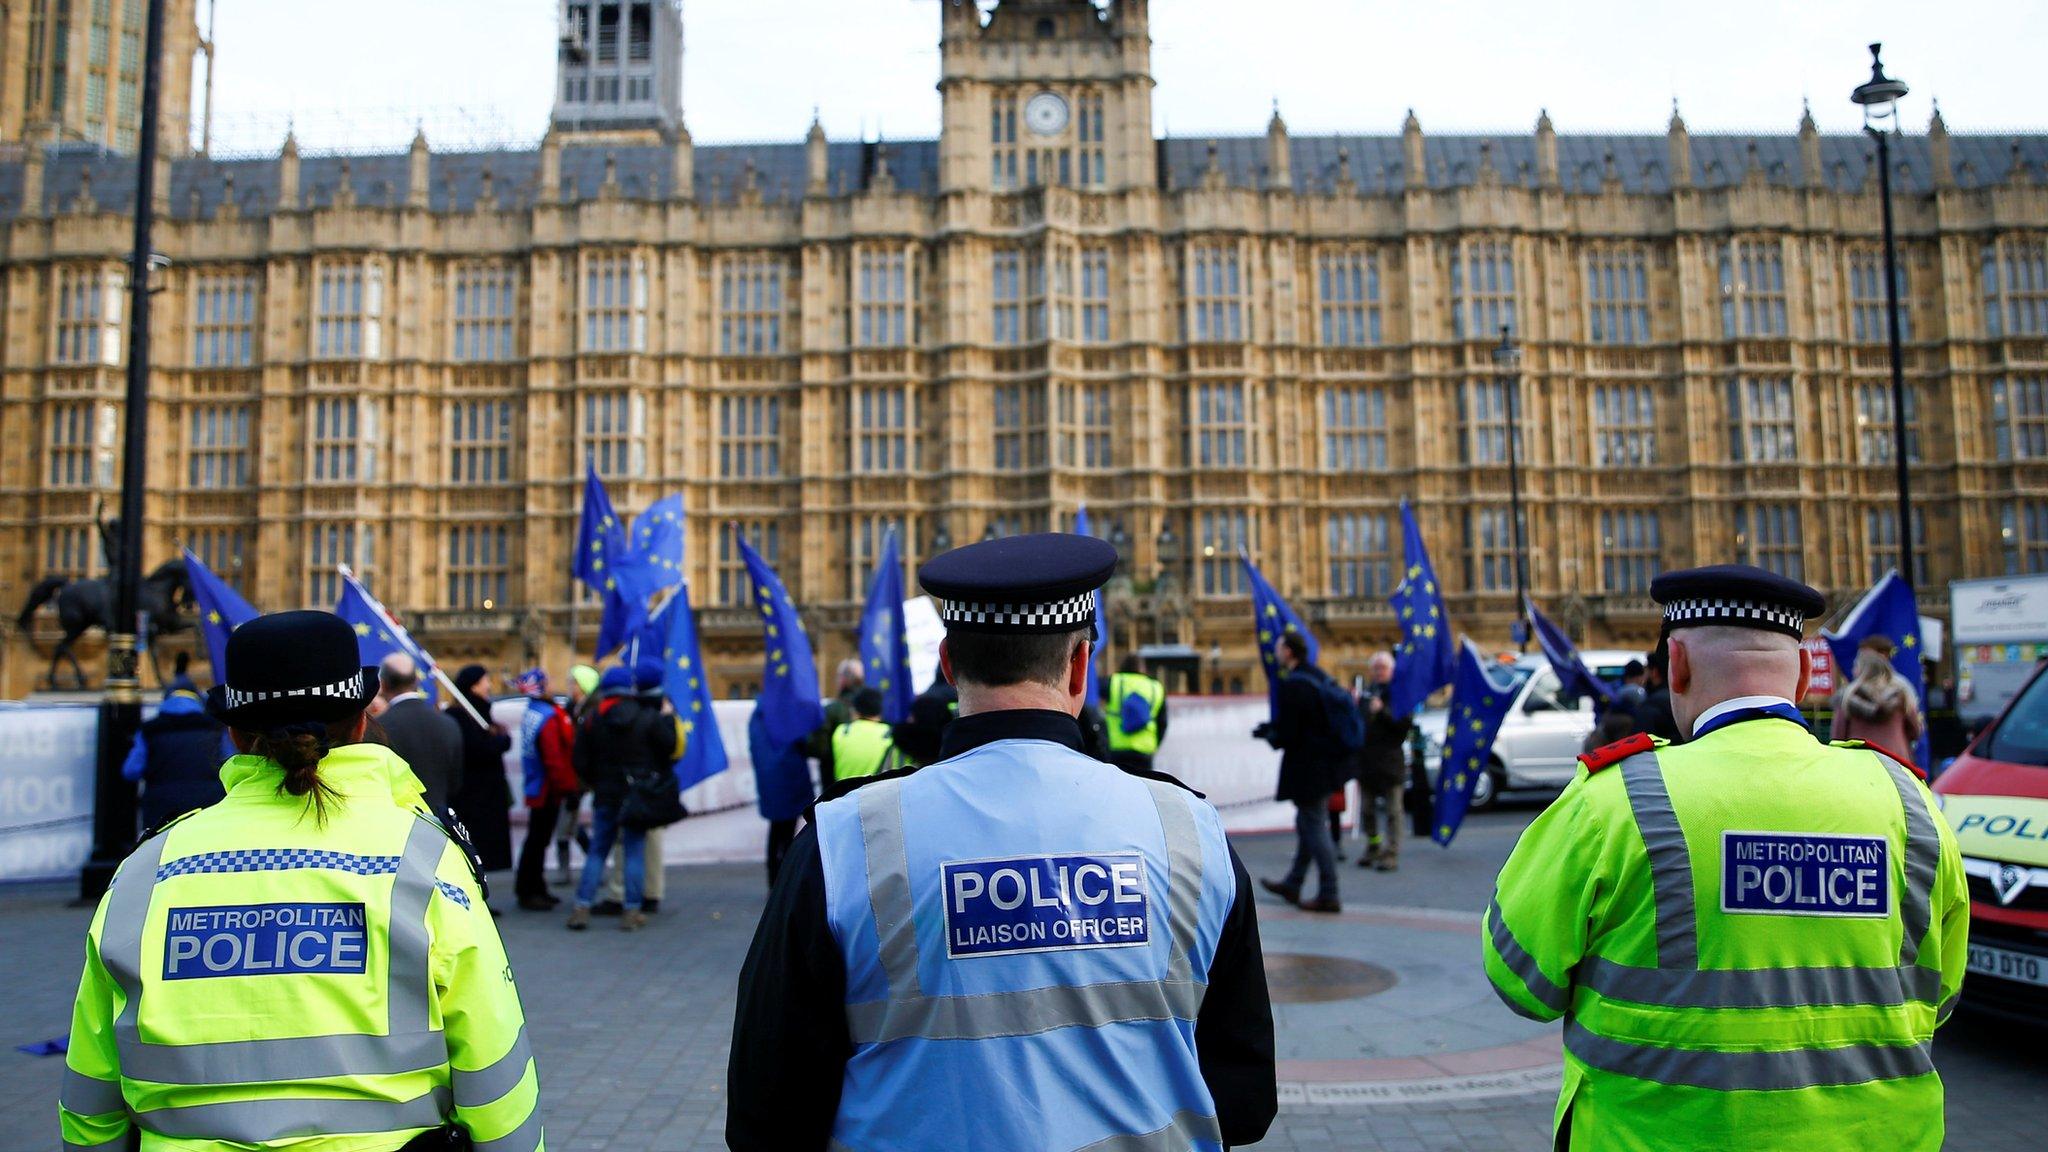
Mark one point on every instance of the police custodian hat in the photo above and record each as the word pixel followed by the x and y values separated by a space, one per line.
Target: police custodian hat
pixel 291 668
pixel 1737 596
pixel 1020 585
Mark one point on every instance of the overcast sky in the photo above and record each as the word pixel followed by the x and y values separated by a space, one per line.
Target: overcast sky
pixel 359 74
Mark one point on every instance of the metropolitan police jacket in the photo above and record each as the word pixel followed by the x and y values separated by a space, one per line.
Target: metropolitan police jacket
pixel 791 1037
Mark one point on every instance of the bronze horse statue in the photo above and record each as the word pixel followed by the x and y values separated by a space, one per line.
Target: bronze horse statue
pixel 83 604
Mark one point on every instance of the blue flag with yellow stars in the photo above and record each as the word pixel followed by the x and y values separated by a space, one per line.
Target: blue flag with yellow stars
pixel 378 633
pixel 1572 673
pixel 789 703
pixel 654 551
pixel 673 633
pixel 1478 704
pixel 1101 637
pixel 221 611
pixel 884 642
pixel 600 538
pixel 1888 611
pixel 1272 618
pixel 1425 659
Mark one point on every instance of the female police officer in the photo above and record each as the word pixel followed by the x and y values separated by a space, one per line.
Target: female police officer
pixel 308 962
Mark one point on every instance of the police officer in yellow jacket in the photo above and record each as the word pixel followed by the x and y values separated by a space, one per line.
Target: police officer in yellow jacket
pixel 1752 936
pixel 863 746
pixel 308 963
pixel 1136 707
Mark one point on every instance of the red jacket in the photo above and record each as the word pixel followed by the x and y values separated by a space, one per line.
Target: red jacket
pixel 556 743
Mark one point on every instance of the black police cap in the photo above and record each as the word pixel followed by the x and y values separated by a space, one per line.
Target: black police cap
pixel 291 668
pixel 1738 596
pixel 1020 584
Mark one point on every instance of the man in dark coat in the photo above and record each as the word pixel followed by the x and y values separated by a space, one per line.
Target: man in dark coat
pixel 484 801
pixel 1382 768
pixel 426 740
pixel 176 757
pixel 918 737
pixel 1313 763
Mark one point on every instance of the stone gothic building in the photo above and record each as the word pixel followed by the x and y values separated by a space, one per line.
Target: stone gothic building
pixel 403 362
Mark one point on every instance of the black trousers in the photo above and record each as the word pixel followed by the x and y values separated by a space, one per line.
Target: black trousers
pixel 532 879
pixel 781 834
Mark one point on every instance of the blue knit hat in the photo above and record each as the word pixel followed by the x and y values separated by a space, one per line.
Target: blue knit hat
pixel 647 674
pixel 616 679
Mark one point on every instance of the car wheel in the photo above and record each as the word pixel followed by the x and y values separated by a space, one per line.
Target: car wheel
pixel 1486 789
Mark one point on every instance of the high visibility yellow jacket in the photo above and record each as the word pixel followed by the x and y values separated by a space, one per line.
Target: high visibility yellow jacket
pixel 1751 939
pixel 1145 741
pixel 256 978
pixel 863 748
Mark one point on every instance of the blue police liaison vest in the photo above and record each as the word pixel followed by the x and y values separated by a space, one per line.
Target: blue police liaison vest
pixel 1027 935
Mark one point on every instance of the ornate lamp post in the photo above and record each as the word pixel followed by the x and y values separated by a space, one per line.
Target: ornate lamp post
pixel 1507 360
pixel 1880 97
pixel 113 819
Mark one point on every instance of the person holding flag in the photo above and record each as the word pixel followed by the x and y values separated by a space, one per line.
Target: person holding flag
pixel 1319 730
pixel 786 711
pixel 1879 641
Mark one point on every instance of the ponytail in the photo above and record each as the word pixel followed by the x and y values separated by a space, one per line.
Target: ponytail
pixel 298 749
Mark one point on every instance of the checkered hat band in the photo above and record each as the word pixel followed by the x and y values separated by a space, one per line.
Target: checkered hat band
pixel 1075 612
pixel 1723 610
pixel 348 689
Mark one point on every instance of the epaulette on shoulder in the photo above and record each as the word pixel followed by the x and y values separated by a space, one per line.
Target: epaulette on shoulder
pixel 1905 762
pixel 454 830
pixel 1151 774
pixel 1615 753
pixel 173 822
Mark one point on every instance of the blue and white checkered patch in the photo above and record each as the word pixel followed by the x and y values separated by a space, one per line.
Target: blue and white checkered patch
pixel 292 859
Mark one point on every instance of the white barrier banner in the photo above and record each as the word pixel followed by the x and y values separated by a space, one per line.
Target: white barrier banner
pixel 46 791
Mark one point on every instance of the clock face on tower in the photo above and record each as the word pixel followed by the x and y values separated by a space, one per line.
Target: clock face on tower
pixel 1046 114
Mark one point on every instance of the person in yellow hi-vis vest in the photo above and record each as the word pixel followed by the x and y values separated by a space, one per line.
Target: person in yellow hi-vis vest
pixel 307 964
pixel 1135 705
pixel 1751 937
pixel 864 746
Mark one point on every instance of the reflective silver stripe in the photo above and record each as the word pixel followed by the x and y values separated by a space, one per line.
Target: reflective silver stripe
pixel 84 1095
pixel 261 1121
pixel 1183 877
pixel 1547 991
pixel 1749 1071
pixel 1184 1129
pixel 488 1085
pixel 301 1057
pixel 1670 861
pixel 1948 1006
pixel 1760 987
pixel 121 929
pixel 1923 857
pixel 524 1138
pixel 1022 1013
pixel 411 1045
pixel 881 831
pixel 409 977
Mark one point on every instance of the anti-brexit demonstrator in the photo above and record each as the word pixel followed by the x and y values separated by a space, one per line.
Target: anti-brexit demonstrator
pixel 1751 936
pixel 1016 947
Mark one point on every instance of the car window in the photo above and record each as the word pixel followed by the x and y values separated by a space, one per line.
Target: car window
pixel 2021 735
pixel 1543 695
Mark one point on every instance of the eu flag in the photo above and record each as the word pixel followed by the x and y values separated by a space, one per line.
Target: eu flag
pixel 1101 636
pixel 1273 619
pixel 1572 673
pixel 600 538
pixel 673 633
pixel 789 702
pixel 221 611
pixel 884 642
pixel 1478 704
pixel 654 551
pixel 1886 610
pixel 1425 659
pixel 378 633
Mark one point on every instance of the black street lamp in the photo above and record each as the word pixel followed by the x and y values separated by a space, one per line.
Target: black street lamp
pixel 1879 97
pixel 1507 359
pixel 113 818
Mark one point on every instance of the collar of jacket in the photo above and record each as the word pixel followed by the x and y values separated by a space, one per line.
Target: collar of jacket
pixel 970 732
pixel 353 770
pixel 179 704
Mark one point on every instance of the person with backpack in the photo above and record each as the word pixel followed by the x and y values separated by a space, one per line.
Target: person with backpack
pixel 625 738
pixel 1136 707
pixel 1319 732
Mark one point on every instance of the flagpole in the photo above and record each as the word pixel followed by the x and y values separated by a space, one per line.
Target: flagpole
pixel 433 665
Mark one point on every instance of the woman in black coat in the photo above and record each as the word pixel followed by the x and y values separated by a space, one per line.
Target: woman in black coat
pixel 484 801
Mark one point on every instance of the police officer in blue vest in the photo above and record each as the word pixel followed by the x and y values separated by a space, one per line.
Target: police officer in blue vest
pixel 1016 947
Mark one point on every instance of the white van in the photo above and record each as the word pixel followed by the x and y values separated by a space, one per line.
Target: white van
pixel 1540 740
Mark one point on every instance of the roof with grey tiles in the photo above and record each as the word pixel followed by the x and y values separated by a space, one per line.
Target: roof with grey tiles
pixel 1376 164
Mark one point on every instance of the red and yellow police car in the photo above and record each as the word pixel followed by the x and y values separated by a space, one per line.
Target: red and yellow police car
pixel 1996 798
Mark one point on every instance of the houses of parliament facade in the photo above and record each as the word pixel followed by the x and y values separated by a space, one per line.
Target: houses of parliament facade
pixel 1262 344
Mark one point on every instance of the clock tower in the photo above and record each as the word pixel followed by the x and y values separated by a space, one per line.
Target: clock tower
pixel 1044 93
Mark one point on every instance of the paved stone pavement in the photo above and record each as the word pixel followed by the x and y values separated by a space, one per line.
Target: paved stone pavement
pixel 631 1032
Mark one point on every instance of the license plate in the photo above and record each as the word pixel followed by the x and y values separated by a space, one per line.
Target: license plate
pixel 2022 967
